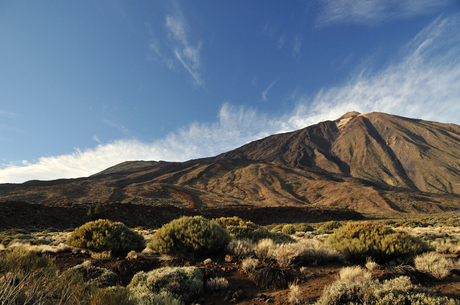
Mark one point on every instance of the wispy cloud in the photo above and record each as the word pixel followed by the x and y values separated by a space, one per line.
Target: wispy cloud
pixel 375 11
pixel 423 84
pixel 187 54
pixel 121 128
pixel 298 40
pixel 265 92
pixel 9 114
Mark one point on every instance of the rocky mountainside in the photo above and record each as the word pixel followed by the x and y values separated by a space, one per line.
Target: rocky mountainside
pixel 371 163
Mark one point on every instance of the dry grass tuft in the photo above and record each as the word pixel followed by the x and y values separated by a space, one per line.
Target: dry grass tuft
pixel 435 264
pixel 354 274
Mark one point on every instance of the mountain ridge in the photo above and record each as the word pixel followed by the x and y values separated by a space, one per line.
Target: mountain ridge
pixel 371 163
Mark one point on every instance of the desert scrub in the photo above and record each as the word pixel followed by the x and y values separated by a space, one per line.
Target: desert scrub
pixel 359 240
pixel 95 276
pixel 217 283
pixel 435 264
pixel 143 296
pixel 398 291
pixel 240 248
pixel 302 254
pixel 249 264
pixel 104 235
pixel 14 235
pixel 183 283
pixel 240 229
pixel 329 227
pixel 187 236
pixel 354 274
pixel 30 278
pixel 288 229
pixel 271 278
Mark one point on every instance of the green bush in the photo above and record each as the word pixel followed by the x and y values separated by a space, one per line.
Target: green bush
pixel 187 236
pixel 95 276
pixel 288 229
pixel 329 227
pixel 11 235
pixel 303 227
pixel 97 213
pixel 240 229
pixel 104 235
pixel 399 291
pixel 182 283
pixel 359 240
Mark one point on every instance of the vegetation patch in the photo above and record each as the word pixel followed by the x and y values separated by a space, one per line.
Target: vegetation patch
pixel 182 283
pixel 271 278
pixel 104 235
pixel 399 291
pixel 360 240
pixel 240 229
pixel 187 236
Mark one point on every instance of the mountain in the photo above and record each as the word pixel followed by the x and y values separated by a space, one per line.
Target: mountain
pixel 372 163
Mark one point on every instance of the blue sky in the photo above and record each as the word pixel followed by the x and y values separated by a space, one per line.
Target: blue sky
pixel 85 85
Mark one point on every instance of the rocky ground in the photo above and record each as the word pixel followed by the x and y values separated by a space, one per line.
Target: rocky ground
pixel 241 290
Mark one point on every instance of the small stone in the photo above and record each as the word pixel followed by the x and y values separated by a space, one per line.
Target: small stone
pixel 230 258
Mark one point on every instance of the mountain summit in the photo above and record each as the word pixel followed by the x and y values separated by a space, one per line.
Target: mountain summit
pixel 371 162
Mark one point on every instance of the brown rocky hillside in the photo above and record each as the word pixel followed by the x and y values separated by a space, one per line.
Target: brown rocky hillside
pixel 371 163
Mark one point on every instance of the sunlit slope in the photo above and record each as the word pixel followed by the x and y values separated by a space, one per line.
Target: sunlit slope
pixel 371 163
pixel 381 148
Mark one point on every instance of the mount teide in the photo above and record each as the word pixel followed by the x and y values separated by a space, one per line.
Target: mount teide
pixel 372 163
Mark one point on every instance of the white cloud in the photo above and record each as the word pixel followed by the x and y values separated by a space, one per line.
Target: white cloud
pixel 423 84
pixel 375 11
pixel 265 92
pixel 188 55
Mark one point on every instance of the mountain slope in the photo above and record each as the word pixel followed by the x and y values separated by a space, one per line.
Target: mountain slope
pixel 385 149
pixel 372 163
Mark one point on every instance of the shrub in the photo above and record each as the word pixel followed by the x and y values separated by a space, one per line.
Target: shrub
pixel 295 295
pixel 240 229
pixel 25 261
pixel 264 248
pixel 135 255
pixel 104 235
pixel 302 254
pixel 398 291
pixel 288 229
pixel 95 276
pixel 329 227
pixel 303 227
pixel 240 248
pixel 30 278
pixel 359 240
pixel 183 283
pixel 435 264
pixel 13 235
pixel 97 213
pixel 270 278
pixel 354 274
pixel 190 236
pixel 142 295
pixel 371 265
pixel 249 264
pixel 217 283
pixel 111 295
